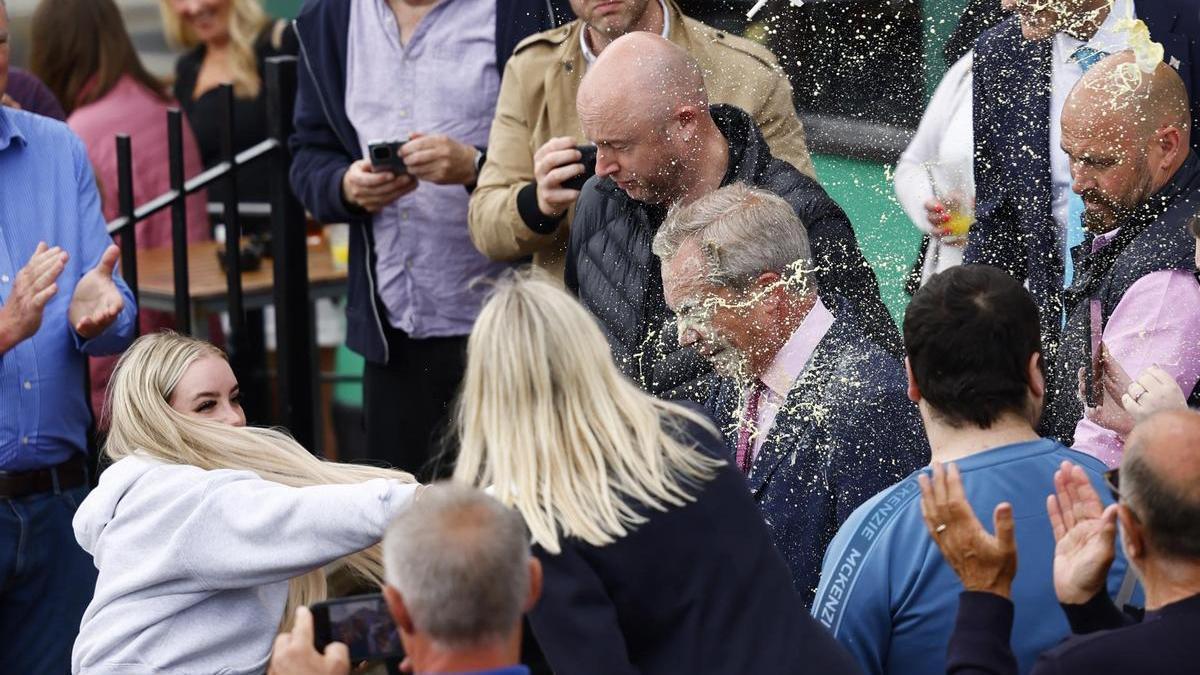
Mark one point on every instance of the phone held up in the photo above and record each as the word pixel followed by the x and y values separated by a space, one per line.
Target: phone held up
pixel 588 160
pixel 362 623
pixel 385 156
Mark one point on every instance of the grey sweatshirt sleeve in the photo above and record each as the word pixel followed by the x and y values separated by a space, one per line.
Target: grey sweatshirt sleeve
pixel 247 531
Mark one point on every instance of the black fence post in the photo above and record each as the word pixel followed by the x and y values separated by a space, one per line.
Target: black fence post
pixel 128 235
pixel 179 252
pixel 295 351
pixel 233 228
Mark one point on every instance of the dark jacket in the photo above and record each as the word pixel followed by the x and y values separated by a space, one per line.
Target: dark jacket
pixel 845 432
pixel 324 143
pixel 1105 640
pixel 1014 227
pixel 1153 239
pixel 694 589
pixel 616 276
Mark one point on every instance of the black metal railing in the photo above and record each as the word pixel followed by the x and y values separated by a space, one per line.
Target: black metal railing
pixel 290 294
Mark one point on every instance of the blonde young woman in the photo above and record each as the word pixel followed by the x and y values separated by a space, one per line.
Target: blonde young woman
pixel 207 533
pixel 226 41
pixel 656 559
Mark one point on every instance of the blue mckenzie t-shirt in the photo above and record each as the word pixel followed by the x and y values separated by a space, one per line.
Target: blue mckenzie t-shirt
pixel 890 598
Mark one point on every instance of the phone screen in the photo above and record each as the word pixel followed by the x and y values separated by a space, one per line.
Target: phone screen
pixel 1093 385
pixel 362 623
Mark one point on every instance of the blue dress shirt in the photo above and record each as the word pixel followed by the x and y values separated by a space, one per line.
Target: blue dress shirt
pixel 48 193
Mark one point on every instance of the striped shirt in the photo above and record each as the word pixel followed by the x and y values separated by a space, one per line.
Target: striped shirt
pixel 48 193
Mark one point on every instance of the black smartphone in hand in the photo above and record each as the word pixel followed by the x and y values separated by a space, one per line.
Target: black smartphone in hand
pixel 588 160
pixel 362 623
pixel 385 156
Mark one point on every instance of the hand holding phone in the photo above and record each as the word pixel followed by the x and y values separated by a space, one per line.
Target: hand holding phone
pixel 385 156
pixel 554 165
pixel 587 157
pixel 362 623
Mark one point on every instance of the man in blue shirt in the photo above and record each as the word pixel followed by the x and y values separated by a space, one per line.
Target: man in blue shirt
pixel 59 302
pixel 974 366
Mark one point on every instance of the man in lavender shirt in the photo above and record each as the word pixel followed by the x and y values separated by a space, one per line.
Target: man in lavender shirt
pixel 1127 132
pixel 814 413
pixel 427 71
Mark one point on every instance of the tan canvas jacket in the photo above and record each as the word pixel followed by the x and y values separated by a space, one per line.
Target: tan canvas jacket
pixel 537 103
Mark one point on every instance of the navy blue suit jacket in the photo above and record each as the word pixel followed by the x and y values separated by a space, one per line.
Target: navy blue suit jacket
pixel 694 589
pixel 1014 228
pixel 1104 639
pixel 845 432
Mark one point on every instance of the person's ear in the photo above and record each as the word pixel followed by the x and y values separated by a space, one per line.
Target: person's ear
pixel 771 291
pixel 535 584
pixel 399 611
pixel 1132 536
pixel 914 393
pixel 1169 142
pixel 1037 380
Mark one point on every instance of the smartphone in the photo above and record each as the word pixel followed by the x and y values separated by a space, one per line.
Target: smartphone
pixel 1093 375
pixel 362 623
pixel 385 156
pixel 589 167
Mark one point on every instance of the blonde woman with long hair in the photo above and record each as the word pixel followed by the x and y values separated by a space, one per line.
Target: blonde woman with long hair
pixel 225 41
pixel 656 559
pixel 208 533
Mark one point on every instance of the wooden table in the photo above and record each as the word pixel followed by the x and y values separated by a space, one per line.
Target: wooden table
pixel 206 280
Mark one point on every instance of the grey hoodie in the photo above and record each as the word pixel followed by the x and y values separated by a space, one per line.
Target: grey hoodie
pixel 194 564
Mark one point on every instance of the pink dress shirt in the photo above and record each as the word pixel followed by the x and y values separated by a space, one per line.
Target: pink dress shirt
pixel 129 108
pixel 1157 322
pixel 786 368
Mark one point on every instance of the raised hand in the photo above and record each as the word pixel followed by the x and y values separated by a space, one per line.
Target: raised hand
pixel 34 285
pixel 97 301
pixel 1084 534
pixel 1153 390
pixel 294 653
pixel 982 561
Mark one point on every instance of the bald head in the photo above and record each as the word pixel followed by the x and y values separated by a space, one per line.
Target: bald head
pixel 642 73
pixel 1116 91
pixel 1160 477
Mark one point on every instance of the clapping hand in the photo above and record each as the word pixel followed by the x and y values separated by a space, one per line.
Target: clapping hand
pixel 97 302
pixel 21 314
pixel 1084 535
pixel 982 561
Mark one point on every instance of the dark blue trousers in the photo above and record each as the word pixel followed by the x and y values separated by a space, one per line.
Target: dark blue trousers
pixel 46 582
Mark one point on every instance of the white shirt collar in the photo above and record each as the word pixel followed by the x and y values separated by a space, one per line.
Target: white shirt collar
pixel 590 58
pixel 1106 39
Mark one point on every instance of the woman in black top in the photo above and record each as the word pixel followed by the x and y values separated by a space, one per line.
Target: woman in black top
pixel 228 41
pixel 656 558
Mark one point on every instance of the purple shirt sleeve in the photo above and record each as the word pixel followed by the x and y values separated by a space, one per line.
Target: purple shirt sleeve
pixel 32 95
pixel 1157 322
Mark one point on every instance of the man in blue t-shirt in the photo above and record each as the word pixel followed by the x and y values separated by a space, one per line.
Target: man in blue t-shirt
pixel 974 368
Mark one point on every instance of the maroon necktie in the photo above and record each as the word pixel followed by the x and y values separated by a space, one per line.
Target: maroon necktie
pixel 746 429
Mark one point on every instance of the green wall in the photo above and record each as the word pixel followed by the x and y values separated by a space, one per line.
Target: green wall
pixel 887 237
pixel 286 8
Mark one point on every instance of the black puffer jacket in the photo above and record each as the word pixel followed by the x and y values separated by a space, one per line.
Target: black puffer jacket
pixel 616 276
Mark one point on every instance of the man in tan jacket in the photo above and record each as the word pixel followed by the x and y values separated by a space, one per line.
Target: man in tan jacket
pixel 520 207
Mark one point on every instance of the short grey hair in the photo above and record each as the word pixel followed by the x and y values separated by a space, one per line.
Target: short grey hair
pixel 742 232
pixel 460 560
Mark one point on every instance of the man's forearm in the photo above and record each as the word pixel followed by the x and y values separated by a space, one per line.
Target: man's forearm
pixel 979 644
pixel 1097 614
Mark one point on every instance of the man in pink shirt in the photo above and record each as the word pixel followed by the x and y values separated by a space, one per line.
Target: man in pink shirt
pixel 1134 296
pixel 814 413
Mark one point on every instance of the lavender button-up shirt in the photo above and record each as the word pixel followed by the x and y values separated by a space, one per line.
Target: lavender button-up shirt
pixel 444 81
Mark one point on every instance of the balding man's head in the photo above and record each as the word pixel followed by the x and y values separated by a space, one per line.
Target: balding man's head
pixel 1126 132
pixel 1160 481
pixel 644 104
